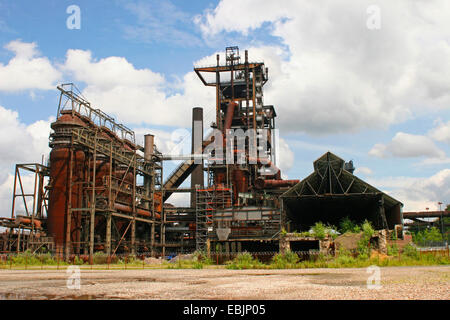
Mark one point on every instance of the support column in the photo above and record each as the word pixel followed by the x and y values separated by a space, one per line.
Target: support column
pixel 108 233
pixel 227 250
pixel 382 212
pixel 92 213
pixel 133 236
pixel 152 249
pixel 208 247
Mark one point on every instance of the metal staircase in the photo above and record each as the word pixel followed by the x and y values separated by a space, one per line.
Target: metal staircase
pixel 181 172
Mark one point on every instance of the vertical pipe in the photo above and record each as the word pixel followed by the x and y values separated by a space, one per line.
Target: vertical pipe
pixel 92 225
pixel 197 141
pixel 110 200
pixel 14 194
pixel 31 236
pixel 18 239
pixel 255 144
pixel 232 77
pixel 254 100
pixel 133 226
pixel 40 195
pixel 69 204
pixel 218 119
pixel 247 84
pixel 163 221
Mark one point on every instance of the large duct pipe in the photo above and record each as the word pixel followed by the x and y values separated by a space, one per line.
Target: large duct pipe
pixel 263 184
pixel 229 116
pixel 197 141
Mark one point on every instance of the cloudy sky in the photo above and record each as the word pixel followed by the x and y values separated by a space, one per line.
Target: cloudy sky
pixel 367 80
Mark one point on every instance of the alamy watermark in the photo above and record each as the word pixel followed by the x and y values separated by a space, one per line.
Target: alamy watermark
pixel 74 278
pixel 373 21
pixel 374 280
pixel 74 20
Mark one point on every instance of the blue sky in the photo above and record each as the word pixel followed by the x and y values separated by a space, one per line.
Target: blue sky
pixel 378 97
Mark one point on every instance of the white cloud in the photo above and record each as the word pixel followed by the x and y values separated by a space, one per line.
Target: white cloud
pixel 214 21
pixel 364 171
pixel 136 96
pixel 6 194
pixel 407 145
pixel 284 158
pixel 441 132
pixel 340 76
pixel 26 70
pixel 20 143
pixel 417 193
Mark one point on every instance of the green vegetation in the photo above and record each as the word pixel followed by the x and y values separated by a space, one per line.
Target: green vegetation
pixel 286 260
pixel 363 245
pixel 320 231
pixel 361 257
pixel 347 225
pixel 244 261
pixel 28 259
pixel 344 259
pixel 428 235
pixel 392 250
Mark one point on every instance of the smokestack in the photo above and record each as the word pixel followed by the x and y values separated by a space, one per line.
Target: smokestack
pixel 197 141
pixel 149 141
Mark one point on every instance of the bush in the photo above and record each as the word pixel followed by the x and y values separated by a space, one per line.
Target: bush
pixel 244 261
pixel 197 265
pixel 410 251
pixel 392 250
pixel 319 230
pixel 363 245
pixel 285 260
pixel 367 229
pixel 78 261
pixel 347 225
pixel 100 258
pixel 428 235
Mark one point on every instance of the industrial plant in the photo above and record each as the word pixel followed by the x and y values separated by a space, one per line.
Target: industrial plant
pixel 103 192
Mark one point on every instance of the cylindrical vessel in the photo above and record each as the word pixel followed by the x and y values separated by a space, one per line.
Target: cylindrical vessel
pixel 60 155
pixel 59 192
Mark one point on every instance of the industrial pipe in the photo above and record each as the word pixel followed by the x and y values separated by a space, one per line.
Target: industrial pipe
pixel 128 209
pixel 229 116
pixel 262 184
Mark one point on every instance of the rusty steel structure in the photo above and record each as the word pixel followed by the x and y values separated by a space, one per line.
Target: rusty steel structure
pixel 102 192
pixel 239 206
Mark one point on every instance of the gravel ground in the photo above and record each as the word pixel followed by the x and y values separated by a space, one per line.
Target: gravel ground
pixel 347 283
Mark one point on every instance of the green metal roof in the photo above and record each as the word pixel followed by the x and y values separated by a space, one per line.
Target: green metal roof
pixel 331 179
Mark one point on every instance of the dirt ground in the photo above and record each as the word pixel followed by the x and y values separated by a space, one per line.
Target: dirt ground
pixel 396 283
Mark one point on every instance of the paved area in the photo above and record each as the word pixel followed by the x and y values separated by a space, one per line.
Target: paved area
pixel 396 283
